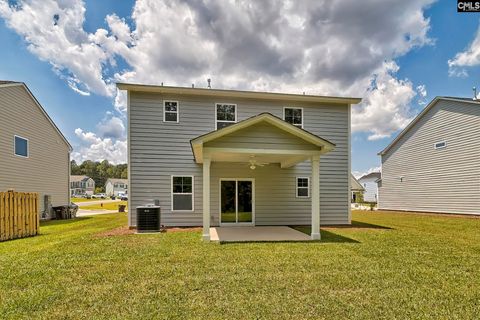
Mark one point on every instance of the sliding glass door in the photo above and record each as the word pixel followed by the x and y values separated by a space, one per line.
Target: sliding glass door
pixel 236 201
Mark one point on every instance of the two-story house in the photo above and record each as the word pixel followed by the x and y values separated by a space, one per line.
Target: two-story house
pixel 114 187
pixel 369 184
pixel 224 157
pixel 34 154
pixel 80 185
pixel 433 165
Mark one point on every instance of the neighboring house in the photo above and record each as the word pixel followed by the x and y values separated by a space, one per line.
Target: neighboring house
pixel 116 186
pixel 34 155
pixel 81 185
pixel 223 157
pixel 433 165
pixel 369 183
pixel 355 188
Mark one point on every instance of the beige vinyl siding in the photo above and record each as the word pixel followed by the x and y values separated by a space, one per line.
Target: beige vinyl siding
pixel 46 170
pixel 444 180
pixel 160 149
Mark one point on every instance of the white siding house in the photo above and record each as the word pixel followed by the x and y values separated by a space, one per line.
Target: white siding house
pixel 116 187
pixel 80 185
pixel 369 183
pixel 221 157
pixel 34 155
pixel 433 165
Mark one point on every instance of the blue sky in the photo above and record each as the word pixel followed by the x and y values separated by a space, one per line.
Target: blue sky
pixel 405 55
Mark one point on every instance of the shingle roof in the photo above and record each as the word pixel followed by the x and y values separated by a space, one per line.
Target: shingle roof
pixel 115 180
pixel 7 81
pixel 78 178
pixel 376 175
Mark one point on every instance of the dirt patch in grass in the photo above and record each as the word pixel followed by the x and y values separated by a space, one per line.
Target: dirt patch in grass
pixel 125 230
pixel 120 231
pixel 181 229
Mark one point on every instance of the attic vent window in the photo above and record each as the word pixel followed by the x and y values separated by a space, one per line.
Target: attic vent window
pixel 440 145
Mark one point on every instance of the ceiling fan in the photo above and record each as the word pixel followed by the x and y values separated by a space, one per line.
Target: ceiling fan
pixel 254 163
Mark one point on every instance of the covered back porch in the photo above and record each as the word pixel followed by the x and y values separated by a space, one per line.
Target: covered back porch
pixel 263 141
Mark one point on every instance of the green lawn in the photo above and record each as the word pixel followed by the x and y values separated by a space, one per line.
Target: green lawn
pixel 390 266
pixel 106 206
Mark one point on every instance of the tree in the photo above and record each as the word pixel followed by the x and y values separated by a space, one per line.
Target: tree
pixel 100 172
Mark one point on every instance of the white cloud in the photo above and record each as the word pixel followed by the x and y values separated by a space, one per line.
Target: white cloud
pixel 54 33
pixel 386 106
pixel 111 127
pixel 318 47
pixel 95 148
pixel 468 58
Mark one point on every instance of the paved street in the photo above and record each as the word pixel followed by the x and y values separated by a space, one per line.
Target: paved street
pixel 94 202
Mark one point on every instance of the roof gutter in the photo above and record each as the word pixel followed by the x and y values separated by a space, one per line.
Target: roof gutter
pixel 236 93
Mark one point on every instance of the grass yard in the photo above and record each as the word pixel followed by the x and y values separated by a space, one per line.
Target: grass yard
pixel 389 266
pixel 106 205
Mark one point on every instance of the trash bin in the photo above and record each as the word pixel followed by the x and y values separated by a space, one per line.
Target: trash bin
pixel 148 219
pixel 58 212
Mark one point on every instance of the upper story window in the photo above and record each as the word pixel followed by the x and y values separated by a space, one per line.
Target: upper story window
pixel 440 145
pixel 293 116
pixel 225 115
pixel 20 146
pixel 170 111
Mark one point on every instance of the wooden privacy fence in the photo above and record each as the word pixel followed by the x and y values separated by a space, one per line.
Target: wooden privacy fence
pixel 19 216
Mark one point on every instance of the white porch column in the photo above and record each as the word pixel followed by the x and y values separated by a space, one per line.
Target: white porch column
pixel 315 161
pixel 206 199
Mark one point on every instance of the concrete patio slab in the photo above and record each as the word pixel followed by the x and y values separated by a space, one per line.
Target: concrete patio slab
pixel 260 233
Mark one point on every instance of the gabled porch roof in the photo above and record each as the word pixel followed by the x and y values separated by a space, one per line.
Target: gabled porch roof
pixel 223 145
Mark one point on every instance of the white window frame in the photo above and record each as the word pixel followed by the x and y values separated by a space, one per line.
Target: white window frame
pixel 192 193
pixel 297 187
pixel 296 125
pixel 178 111
pixel 15 147
pixel 216 121
pixel 439 142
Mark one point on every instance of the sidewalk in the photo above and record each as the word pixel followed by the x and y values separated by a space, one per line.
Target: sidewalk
pixel 84 213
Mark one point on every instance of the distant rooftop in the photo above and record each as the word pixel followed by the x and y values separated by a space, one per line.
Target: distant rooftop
pixel 115 180
pixel 376 175
pixel 74 178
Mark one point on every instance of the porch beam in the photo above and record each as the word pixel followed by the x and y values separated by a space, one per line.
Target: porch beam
pixel 206 199
pixel 315 162
pixel 307 153
pixel 291 162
